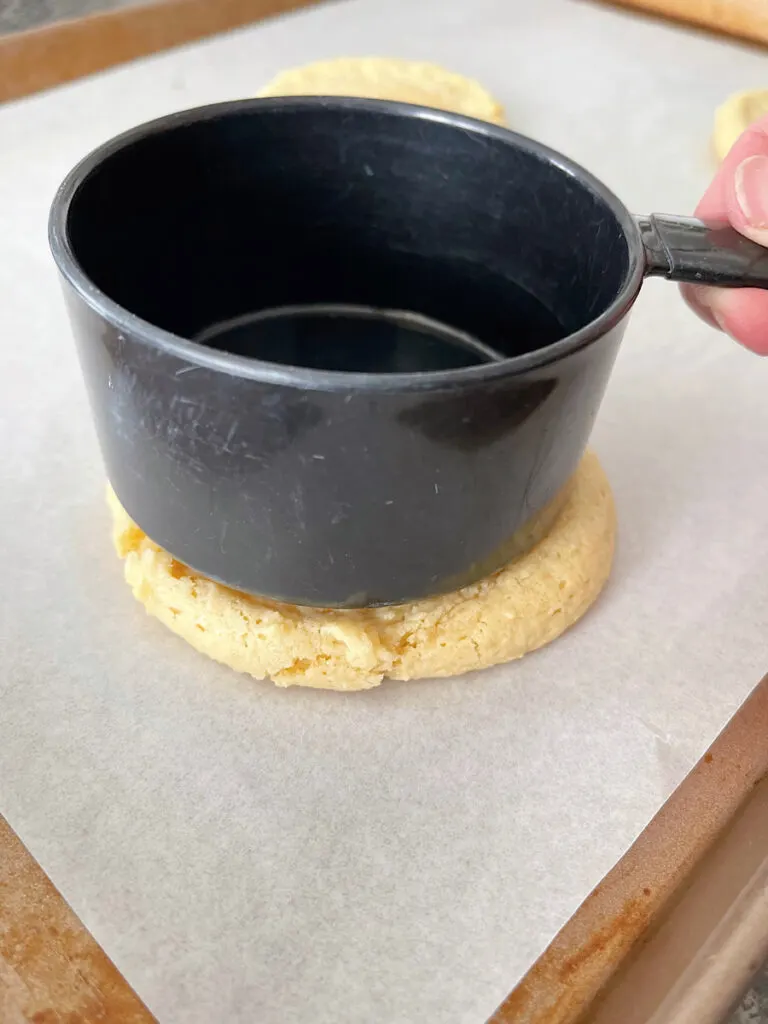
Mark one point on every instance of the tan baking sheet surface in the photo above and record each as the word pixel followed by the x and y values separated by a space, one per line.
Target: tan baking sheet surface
pixel 66 50
pixel 247 854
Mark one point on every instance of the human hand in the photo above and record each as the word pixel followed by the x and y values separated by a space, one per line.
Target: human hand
pixel 739 195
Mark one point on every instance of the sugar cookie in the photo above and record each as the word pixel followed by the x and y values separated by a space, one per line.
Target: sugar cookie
pixel 736 115
pixel 385 78
pixel 519 608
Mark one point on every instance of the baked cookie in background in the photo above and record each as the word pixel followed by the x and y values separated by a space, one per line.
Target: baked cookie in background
pixel 735 115
pixel 387 78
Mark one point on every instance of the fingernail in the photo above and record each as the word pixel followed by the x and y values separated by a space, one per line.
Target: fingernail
pixel 751 182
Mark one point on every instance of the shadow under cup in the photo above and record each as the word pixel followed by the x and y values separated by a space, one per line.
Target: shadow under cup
pixel 355 488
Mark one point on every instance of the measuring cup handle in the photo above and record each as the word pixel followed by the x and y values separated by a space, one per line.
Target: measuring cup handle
pixel 691 250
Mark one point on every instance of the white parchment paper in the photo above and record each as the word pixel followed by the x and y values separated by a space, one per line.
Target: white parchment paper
pixel 252 855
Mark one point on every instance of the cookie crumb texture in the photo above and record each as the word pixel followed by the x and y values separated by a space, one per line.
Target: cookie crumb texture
pixel 519 608
pixel 387 78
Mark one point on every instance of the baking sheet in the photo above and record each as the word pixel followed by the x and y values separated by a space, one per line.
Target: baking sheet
pixel 248 854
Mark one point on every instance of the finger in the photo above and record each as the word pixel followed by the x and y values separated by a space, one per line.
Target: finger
pixel 741 312
pixel 738 194
pixel 701 301
pixel 746 196
pixel 714 203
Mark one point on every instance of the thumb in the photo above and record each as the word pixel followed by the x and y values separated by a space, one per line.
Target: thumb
pixel 739 194
pixel 747 198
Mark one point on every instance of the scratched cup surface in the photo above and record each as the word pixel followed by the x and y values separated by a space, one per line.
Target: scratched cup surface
pixel 333 485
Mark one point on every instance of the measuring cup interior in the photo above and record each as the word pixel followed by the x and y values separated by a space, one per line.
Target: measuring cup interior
pixel 222 217
pixel 359 339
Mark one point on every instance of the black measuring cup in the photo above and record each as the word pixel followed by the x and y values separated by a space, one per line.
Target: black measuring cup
pixel 346 487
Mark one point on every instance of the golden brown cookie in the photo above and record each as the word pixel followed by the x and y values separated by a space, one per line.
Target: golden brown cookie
pixel 385 78
pixel 736 115
pixel 523 606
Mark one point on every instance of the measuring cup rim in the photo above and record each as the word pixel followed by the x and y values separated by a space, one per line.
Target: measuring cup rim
pixel 139 330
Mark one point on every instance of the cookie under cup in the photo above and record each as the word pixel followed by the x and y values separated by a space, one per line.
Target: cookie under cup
pixel 521 607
